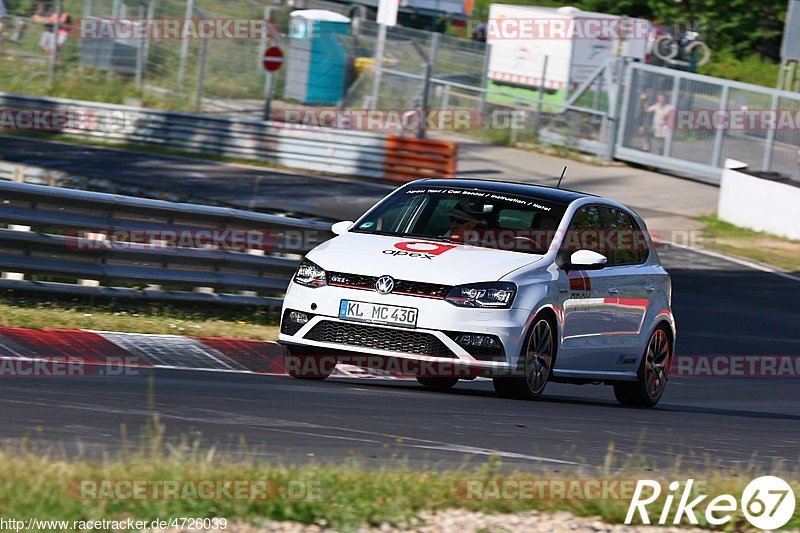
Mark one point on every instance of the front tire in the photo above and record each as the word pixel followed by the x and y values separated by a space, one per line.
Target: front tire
pixel 652 375
pixel 300 364
pixel 437 383
pixel 535 365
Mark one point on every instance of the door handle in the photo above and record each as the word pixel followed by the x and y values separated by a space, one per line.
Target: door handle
pixel 613 290
pixel 649 288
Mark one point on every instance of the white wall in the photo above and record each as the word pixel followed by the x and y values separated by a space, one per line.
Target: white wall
pixel 759 204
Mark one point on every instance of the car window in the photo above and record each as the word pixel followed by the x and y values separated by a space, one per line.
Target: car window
pixel 625 243
pixel 437 223
pixel 515 219
pixel 585 231
pixel 488 219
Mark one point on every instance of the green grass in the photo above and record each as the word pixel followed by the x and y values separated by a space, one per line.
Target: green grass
pixel 763 247
pixel 34 313
pixel 752 69
pixel 42 483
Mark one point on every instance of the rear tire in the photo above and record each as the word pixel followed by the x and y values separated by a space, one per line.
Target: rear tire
pixel 302 365
pixel 535 364
pixel 652 374
pixel 437 383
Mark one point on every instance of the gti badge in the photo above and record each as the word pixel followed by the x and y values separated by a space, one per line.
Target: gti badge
pixel 384 285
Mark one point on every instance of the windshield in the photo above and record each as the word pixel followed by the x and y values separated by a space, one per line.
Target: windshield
pixel 478 218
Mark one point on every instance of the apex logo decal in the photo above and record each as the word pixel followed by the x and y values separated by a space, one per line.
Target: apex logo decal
pixel 419 249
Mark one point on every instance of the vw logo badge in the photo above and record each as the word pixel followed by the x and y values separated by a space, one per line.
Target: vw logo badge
pixel 384 285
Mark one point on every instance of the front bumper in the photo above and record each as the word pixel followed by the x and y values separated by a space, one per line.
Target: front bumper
pixel 431 341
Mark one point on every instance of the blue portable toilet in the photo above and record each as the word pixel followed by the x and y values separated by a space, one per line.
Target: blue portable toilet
pixel 317 62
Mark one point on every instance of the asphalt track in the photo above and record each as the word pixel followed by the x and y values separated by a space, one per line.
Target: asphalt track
pixel 243 186
pixel 722 308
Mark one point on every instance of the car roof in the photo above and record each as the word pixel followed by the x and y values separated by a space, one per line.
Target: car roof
pixel 564 196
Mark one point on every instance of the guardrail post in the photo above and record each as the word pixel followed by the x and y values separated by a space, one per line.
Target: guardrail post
pixel 91 236
pixel 17 276
pixel 18 174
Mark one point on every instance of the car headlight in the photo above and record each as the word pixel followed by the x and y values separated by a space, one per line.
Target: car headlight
pixel 498 295
pixel 310 274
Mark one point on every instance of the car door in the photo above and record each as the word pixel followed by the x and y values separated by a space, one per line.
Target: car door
pixel 630 284
pixel 589 313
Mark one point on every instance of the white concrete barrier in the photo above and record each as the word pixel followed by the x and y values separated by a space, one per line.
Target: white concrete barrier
pixel 759 204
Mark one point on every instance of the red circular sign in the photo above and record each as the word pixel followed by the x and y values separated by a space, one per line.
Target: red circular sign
pixel 273 59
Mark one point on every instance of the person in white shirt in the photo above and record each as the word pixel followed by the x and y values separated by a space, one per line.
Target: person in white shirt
pixel 660 126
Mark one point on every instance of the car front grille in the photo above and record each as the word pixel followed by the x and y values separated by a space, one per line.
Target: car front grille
pixel 404 287
pixel 379 338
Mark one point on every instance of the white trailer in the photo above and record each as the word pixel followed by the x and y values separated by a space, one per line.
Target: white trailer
pixel 575 42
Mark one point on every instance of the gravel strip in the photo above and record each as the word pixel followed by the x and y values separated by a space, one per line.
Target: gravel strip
pixel 469 522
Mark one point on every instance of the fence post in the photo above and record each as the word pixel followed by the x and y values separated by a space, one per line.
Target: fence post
pixel 140 53
pixel 542 82
pixel 201 75
pixel 185 43
pixel 433 54
pixel 269 79
pixel 673 101
pixel 769 146
pixel 87 9
pixel 627 94
pixel 716 155
pixel 446 97
pixel 485 78
pixel 151 12
pixel 613 108
pixel 51 72
pixel 377 66
pixel 426 87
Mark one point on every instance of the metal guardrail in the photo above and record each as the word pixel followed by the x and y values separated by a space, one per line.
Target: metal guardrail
pixel 337 151
pixel 131 247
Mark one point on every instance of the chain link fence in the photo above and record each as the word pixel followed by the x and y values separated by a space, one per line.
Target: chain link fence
pixel 624 110
pixel 692 123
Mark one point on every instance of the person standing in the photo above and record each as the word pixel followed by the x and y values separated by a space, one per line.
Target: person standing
pixel 43 16
pixel 661 111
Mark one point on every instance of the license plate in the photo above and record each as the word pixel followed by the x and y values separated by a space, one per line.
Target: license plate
pixel 378 313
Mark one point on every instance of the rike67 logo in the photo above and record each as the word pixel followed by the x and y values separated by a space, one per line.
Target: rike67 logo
pixel 767 502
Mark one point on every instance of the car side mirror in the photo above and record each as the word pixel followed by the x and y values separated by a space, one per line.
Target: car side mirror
pixel 586 260
pixel 342 227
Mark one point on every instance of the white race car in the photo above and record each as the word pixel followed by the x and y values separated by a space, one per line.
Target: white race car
pixel 453 279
